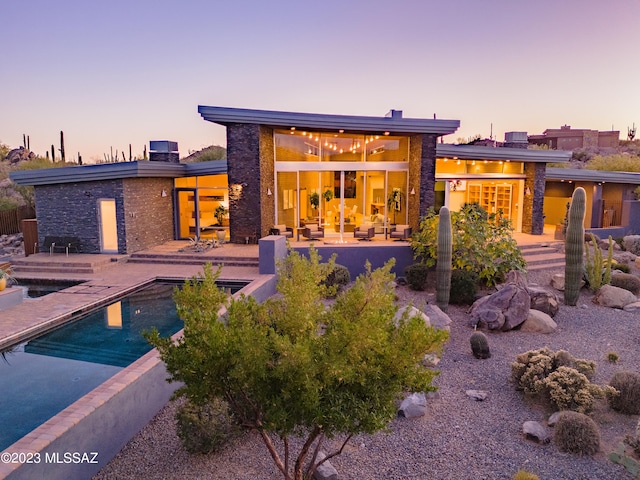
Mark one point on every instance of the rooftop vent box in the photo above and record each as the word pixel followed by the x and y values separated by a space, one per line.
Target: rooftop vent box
pixel 515 137
pixel 163 146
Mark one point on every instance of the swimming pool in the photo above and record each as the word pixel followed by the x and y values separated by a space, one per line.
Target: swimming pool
pixel 42 376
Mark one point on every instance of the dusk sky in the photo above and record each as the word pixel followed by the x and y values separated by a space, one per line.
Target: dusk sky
pixel 129 71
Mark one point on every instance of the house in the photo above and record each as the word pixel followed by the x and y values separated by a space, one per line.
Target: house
pixel 564 138
pixel 333 172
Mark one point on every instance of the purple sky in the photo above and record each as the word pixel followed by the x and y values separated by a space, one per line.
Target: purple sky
pixel 130 71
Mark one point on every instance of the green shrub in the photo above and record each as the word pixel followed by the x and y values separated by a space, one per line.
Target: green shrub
pixel 559 376
pixel 464 287
pixel 614 163
pixel 339 277
pixel 576 433
pixel 417 276
pixel 7 203
pixel 482 243
pixel 628 386
pixel 205 428
pixel 626 281
pixel 612 357
pixel 623 267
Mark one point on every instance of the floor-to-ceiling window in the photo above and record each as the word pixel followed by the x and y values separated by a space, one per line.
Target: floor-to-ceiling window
pixel 202 206
pixel 340 180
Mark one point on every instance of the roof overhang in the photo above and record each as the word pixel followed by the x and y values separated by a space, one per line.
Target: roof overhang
pixel 601 176
pixel 476 152
pixel 356 124
pixel 114 171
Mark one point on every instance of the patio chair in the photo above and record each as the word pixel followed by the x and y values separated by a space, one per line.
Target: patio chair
pixel 364 232
pixel 400 232
pixel 311 232
pixel 282 230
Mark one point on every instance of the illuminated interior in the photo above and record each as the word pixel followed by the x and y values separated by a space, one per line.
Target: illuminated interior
pixel 202 206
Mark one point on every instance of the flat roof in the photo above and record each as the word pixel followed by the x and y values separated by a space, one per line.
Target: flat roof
pixel 583 175
pixel 479 152
pixel 393 124
pixel 118 170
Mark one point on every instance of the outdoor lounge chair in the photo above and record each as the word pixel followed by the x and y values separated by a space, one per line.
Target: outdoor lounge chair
pixel 400 232
pixel 364 232
pixel 282 230
pixel 311 232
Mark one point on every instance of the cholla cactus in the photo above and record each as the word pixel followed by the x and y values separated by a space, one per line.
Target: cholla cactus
pixel 574 247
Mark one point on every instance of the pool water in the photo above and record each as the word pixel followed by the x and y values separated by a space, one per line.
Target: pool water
pixel 42 376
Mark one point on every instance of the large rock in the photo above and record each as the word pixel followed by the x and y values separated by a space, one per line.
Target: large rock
pixel 614 297
pixel 535 431
pixel 505 309
pixel 413 312
pixel 325 471
pixel 438 319
pixel 557 281
pixel 544 300
pixel 538 322
pixel 415 405
pixel 18 155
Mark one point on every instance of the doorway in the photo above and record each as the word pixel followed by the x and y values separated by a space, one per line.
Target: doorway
pixel 108 225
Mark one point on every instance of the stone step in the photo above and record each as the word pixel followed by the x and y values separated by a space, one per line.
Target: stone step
pixel 190 260
pixel 541 256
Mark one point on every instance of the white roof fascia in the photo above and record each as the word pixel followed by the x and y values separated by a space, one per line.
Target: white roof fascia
pixel 584 175
pixel 301 121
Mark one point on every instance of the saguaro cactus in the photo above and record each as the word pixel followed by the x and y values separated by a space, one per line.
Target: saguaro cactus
pixel 443 265
pixel 62 154
pixel 574 247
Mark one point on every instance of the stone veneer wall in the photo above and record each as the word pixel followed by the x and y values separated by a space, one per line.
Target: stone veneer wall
pixel 148 216
pixel 267 181
pixel 71 209
pixel 244 172
pixel 427 173
pixel 532 209
pixel 415 164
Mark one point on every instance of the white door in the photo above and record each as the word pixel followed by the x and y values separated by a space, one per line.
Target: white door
pixel 108 225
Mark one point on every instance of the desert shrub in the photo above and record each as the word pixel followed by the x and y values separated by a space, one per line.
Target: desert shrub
pixel 620 242
pixel 626 281
pixel 417 276
pixel 338 277
pixel 205 428
pixel 598 270
pixel 612 357
pixel 628 386
pixel 614 163
pixel 482 243
pixel 624 268
pixel 524 475
pixel 569 389
pixel 561 377
pixel 464 287
pixel 634 440
pixel 576 433
pixel 632 244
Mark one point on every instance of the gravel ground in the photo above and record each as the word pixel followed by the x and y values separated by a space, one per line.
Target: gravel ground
pixel 459 438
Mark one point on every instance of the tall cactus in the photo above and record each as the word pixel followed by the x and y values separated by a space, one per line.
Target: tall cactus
pixel 574 247
pixel 443 265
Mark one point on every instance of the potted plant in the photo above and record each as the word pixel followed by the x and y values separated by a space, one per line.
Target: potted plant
pixel 394 201
pixel 314 200
pixel 327 195
pixel 220 213
pixel 5 278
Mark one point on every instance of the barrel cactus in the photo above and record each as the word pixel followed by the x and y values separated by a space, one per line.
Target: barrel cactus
pixel 480 345
pixel 574 247
pixel 443 266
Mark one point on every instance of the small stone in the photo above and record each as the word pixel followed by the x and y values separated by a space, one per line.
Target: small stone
pixel 430 360
pixel 553 419
pixel 535 431
pixel 538 322
pixel 326 471
pixel 415 405
pixel 477 395
pixel 557 281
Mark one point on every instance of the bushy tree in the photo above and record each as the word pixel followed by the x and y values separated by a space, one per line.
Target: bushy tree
pixel 614 163
pixel 293 366
pixel 482 243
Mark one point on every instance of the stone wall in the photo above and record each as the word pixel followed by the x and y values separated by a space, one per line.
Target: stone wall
pixel 533 204
pixel 427 173
pixel 415 164
pixel 71 209
pixel 249 159
pixel 147 215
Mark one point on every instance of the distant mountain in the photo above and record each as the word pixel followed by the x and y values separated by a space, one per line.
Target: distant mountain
pixel 214 152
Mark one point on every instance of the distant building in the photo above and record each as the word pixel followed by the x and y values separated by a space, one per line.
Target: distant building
pixel 564 138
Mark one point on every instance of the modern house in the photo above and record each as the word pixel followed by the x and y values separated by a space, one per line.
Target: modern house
pixel 564 138
pixel 329 172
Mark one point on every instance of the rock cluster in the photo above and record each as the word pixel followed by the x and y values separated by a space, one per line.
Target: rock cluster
pixel 18 155
pixel 11 244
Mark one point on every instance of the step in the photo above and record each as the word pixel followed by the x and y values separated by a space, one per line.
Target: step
pixel 228 261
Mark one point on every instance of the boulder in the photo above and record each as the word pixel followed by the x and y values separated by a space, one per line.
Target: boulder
pixel 553 419
pixel 439 320
pixel 624 257
pixel 557 281
pixel 632 307
pixel 544 300
pixel 534 430
pixel 614 297
pixel 415 405
pixel 538 322
pixel 18 155
pixel 413 312
pixel 505 309
pixel 325 471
